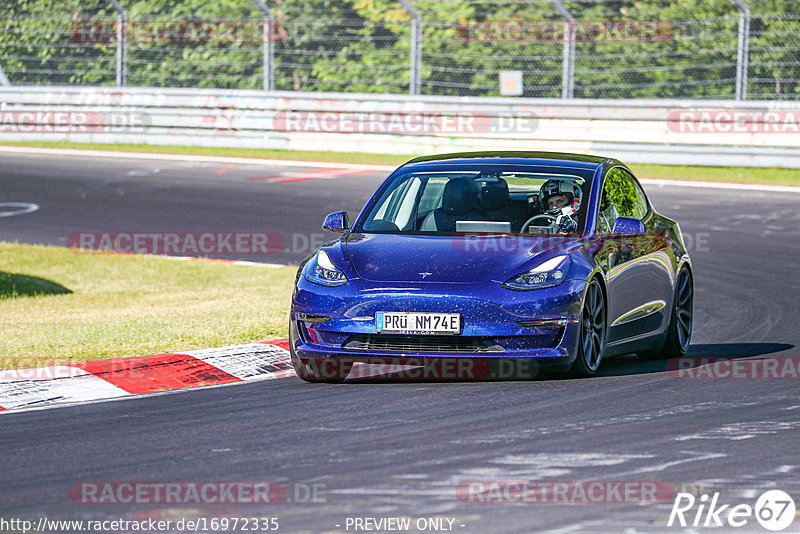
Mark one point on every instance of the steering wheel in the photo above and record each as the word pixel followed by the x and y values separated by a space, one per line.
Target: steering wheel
pixel 551 218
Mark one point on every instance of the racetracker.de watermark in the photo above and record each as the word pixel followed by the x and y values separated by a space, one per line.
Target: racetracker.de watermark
pixel 685 121
pixel 721 368
pixel 193 493
pixel 178 243
pixel 72 121
pixel 559 31
pixel 406 122
pixel 399 369
pixel 489 244
pixel 176 32
pixel 564 492
pixel 432 368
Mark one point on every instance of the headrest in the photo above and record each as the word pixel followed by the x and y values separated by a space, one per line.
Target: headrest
pixel 457 197
pixel 494 195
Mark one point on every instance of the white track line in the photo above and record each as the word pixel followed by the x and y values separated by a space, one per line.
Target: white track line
pixel 17 208
pixel 219 260
pixel 187 157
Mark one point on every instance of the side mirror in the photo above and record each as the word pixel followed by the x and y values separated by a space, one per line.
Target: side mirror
pixel 627 225
pixel 337 222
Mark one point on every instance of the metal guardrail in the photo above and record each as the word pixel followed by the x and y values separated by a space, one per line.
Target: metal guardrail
pixel 642 131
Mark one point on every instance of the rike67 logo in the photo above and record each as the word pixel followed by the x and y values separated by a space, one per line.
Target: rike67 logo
pixel 774 510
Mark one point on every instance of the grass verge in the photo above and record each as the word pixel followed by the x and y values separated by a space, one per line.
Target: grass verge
pixel 743 175
pixel 58 306
pixel 736 175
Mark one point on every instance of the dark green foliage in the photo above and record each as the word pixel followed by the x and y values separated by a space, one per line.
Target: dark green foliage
pixel 364 46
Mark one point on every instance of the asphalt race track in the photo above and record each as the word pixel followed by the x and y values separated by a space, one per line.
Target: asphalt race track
pixel 381 449
pixel 76 194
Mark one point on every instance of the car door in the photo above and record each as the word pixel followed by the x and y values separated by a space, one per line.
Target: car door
pixel 637 267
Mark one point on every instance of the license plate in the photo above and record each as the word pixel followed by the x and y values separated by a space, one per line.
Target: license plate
pixel 418 323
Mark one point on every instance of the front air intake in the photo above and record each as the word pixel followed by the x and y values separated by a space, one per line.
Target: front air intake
pixel 421 344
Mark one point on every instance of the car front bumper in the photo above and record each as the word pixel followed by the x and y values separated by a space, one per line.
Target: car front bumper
pixel 516 332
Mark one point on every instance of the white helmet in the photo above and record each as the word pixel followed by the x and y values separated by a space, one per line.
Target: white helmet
pixel 554 187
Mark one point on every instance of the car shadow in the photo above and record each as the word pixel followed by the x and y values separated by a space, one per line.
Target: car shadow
pixel 14 285
pixel 697 355
pixel 620 366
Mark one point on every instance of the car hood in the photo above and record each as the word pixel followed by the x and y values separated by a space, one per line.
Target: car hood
pixel 451 259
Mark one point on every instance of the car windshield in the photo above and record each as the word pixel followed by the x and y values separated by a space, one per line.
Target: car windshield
pixel 506 200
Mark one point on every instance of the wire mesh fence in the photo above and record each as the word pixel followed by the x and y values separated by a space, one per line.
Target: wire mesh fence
pixel 746 49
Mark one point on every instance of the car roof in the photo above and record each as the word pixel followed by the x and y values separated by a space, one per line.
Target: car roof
pixel 547 159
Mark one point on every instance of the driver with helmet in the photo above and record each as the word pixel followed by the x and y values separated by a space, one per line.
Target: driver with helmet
pixel 561 198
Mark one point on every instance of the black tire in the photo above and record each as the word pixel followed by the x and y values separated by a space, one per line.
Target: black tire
pixel 679 332
pixel 592 341
pixel 330 371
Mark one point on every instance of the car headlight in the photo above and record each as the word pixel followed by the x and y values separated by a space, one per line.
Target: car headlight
pixel 320 270
pixel 549 274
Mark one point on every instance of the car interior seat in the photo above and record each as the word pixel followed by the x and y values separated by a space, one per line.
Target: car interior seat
pixel 458 204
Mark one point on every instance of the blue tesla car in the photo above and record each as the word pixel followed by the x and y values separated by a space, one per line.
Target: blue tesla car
pixel 554 260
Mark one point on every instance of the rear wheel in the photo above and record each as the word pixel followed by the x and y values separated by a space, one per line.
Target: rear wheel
pixel 329 370
pixel 593 332
pixel 679 332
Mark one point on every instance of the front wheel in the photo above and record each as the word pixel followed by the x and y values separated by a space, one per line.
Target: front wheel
pixel 593 332
pixel 329 370
pixel 679 332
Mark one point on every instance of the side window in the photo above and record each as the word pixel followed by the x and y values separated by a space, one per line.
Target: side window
pixel 642 206
pixel 432 195
pixel 398 207
pixel 622 197
pixel 406 209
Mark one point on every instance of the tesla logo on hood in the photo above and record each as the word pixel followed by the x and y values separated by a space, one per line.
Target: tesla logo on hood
pixel 425 275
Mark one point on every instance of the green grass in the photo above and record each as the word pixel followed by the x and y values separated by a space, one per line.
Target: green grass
pixel 739 175
pixel 744 175
pixel 59 306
